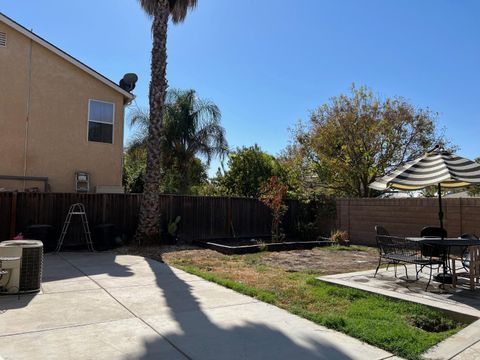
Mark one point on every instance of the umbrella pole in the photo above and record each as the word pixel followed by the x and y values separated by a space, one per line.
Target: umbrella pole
pixel 440 211
pixel 444 278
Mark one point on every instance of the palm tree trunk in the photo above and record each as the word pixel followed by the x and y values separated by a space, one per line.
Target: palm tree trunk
pixel 148 230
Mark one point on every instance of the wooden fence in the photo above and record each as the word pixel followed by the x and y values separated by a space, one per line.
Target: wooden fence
pixel 405 216
pixel 201 217
pixel 219 217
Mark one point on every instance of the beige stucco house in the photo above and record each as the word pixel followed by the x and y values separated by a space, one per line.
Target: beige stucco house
pixel 58 117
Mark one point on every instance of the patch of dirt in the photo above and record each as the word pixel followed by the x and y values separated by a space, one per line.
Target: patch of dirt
pixel 318 260
pixel 323 261
pixel 432 324
pixel 230 267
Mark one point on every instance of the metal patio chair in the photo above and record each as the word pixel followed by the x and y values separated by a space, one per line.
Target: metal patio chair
pixel 397 250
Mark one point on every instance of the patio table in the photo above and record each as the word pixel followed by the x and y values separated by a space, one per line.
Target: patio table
pixel 447 243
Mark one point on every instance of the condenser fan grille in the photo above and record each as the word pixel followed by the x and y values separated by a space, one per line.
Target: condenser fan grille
pixel 31 269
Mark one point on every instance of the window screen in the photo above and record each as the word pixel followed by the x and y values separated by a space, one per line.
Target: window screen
pixel 100 121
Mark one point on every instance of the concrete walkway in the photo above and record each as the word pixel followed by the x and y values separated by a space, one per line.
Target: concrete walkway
pixel 107 306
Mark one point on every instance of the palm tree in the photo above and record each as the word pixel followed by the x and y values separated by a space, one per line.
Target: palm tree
pixel 191 129
pixel 148 229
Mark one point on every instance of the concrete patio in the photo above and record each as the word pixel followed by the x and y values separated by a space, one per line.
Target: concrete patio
pixel 460 302
pixel 107 306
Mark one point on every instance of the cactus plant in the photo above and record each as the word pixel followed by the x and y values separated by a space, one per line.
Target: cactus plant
pixel 173 226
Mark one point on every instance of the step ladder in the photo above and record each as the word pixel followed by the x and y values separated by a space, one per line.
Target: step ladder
pixel 76 209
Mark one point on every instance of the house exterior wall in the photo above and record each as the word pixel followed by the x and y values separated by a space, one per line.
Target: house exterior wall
pixel 53 142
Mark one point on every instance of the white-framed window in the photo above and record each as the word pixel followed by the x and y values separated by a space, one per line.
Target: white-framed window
pixel 101 115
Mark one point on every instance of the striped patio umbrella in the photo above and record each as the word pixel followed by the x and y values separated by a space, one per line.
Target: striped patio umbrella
pixel 436 168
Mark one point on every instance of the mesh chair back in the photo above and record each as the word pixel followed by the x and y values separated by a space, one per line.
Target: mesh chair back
pixel 469 236
pixel 429 250
pixel 433 231
pixel 389 245
pixel 384 242
pixel 380 230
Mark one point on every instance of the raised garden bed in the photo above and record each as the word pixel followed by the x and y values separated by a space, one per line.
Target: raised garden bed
pixel 252 245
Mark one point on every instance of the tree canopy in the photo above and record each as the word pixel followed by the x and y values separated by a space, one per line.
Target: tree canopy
pixel 192 132
pixel 355 138
pixel 134 165
pixel 178 9
pixel 248 169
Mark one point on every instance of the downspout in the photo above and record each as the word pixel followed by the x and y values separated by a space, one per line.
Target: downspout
pixel 29 92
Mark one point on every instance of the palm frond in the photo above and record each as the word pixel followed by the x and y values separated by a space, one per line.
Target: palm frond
pixel 191 128
pixel 178 8
pixel 139 119
pixel 148 6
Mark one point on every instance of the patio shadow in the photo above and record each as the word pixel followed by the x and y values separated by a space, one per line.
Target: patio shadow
pixel 11 302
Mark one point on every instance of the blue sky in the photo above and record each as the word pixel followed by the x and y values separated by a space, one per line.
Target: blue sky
pixel 267 63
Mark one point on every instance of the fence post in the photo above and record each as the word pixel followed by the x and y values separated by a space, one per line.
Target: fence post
pixel 13 215
pixel 348 226
pixel 229 217
pixel 104 207
pixel 338 214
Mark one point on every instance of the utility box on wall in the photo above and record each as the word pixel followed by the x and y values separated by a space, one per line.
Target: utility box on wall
pixel 82 181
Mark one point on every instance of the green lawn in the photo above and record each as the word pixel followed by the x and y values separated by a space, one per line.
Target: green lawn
pixel 390 324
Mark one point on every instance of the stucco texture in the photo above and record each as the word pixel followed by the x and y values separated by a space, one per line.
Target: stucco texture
pixel 53 142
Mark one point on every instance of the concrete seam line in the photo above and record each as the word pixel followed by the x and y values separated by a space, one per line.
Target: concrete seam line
pixel 61 327
pixel 130 311
pixel 136 286
pixel 461 351
pixel 67 291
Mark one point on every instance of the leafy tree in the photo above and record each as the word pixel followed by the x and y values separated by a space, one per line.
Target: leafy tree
pixel 213 186
pixel 192 129
pixel 355 138
pixel 194 178
pixel 300 173
pixel 134 164
pixel 432 191
pixel 248 169
pixel 134 172
pixel 160 11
